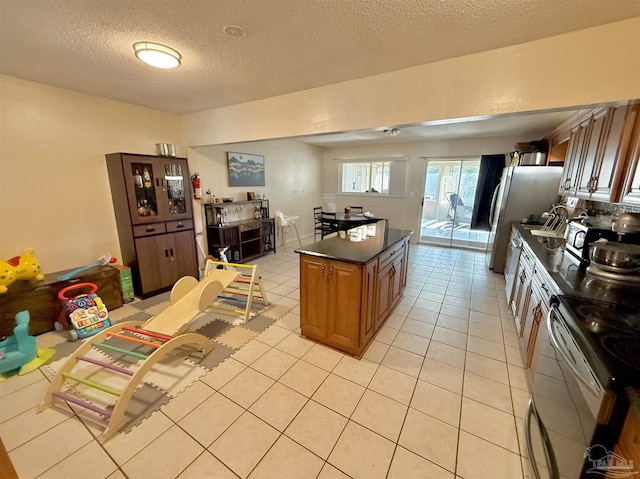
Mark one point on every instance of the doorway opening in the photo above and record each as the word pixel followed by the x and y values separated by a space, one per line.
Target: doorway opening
pixel 448 201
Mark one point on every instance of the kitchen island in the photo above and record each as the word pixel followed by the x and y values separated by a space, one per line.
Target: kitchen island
pixel 349 288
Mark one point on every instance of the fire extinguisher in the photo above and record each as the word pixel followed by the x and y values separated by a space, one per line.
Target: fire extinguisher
pixel 197 190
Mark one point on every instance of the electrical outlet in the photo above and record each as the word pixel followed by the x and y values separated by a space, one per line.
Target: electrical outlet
pixel 572 202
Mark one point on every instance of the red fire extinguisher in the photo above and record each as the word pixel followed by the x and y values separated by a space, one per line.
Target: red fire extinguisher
pixel 197 190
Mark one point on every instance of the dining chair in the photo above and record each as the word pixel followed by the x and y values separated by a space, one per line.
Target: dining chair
pixel 329 224
pixel 317 222
pixel 285 222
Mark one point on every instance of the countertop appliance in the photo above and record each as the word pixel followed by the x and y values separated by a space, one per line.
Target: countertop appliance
pixel 592 353
pixel 533 153
pixel 522 190
pixel 579 236
pixel 532 158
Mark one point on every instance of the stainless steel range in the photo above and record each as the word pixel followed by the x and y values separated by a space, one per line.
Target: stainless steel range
pixel 591 353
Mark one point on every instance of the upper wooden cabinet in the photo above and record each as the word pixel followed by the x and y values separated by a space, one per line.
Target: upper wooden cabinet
pixel 157 187
pixel 596 152
pixel 574 159
pixel 630 193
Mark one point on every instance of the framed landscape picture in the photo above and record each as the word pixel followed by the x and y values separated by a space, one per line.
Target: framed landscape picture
pixel 245 169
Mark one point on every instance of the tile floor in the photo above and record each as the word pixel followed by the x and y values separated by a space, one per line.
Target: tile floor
pixel 440 393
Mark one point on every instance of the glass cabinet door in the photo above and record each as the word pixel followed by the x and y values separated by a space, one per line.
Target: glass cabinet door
pixel 174 181
pixel 146 200
pixel 157 188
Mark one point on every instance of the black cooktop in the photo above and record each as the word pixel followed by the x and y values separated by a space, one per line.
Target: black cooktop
pixel 609 335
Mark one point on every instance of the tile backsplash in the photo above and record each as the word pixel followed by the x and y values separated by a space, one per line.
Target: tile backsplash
pixel 594 208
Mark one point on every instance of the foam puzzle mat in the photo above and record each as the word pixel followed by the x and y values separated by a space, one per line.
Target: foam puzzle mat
pixel 172 375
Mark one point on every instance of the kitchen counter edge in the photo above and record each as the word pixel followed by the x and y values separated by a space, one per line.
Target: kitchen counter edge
pixel 356 252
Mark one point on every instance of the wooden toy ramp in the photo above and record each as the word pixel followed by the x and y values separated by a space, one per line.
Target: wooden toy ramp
pixel 237 297
pixel 92 366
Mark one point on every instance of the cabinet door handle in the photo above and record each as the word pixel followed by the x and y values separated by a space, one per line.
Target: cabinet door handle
pixel 330 273
pixel 166 253
pixel 323 272
pixel 149 229
pixel 171 251
pixel 544 288
pixel 179 225
pixel 537 312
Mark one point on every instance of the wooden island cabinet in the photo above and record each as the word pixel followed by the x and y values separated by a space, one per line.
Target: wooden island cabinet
pixel 348 289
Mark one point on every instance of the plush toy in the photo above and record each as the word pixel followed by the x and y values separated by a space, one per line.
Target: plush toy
pixel 29 266
pixel 19 267
pixel 7 275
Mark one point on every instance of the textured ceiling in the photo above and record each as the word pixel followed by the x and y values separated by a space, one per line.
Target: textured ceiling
pixel 291 45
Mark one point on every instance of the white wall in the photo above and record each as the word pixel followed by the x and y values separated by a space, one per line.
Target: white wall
pixel 54 189
pixel 404 212
pixel 293 176
pixel 596 65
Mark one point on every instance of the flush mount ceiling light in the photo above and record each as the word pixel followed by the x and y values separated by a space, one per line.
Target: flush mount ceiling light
pixel 156 55
pixel 235 31
pixel 391 132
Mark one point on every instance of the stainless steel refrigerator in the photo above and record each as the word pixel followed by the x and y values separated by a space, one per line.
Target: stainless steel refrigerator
pixel 522 191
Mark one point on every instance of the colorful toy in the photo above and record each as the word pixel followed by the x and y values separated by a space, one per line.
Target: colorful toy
pixel 19 267
pixel 106 259
pixel 237 297
pixel 159 335
pixel 87 312
pixel 7 275
pixel 28 266
pixel 19 352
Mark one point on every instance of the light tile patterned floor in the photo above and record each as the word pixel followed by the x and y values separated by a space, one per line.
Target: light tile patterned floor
pixel 439 394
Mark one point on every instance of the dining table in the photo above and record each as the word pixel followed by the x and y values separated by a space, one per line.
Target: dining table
pixel 344 221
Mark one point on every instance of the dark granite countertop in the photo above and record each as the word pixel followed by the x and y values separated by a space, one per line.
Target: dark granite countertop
pixel 358 252
pixel 572 277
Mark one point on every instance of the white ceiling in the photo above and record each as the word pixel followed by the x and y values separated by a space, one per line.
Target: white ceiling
pixel 526 126
pixel 291 45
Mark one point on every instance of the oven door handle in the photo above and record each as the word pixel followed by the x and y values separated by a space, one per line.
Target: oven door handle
pixel 551 459
pixel 556 344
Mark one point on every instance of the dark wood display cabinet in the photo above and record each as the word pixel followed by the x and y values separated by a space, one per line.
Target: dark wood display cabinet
pixel 245 238
pixel 152 204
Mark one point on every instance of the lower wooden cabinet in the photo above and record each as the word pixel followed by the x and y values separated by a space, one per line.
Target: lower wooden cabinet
pixel 389 287
pixel 343 304
pixel 40 298
pixel 246 239
pixel 333 297
pixel 628 446
pixel 165 258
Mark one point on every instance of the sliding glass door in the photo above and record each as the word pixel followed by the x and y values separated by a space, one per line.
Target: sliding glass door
pixel 447 207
